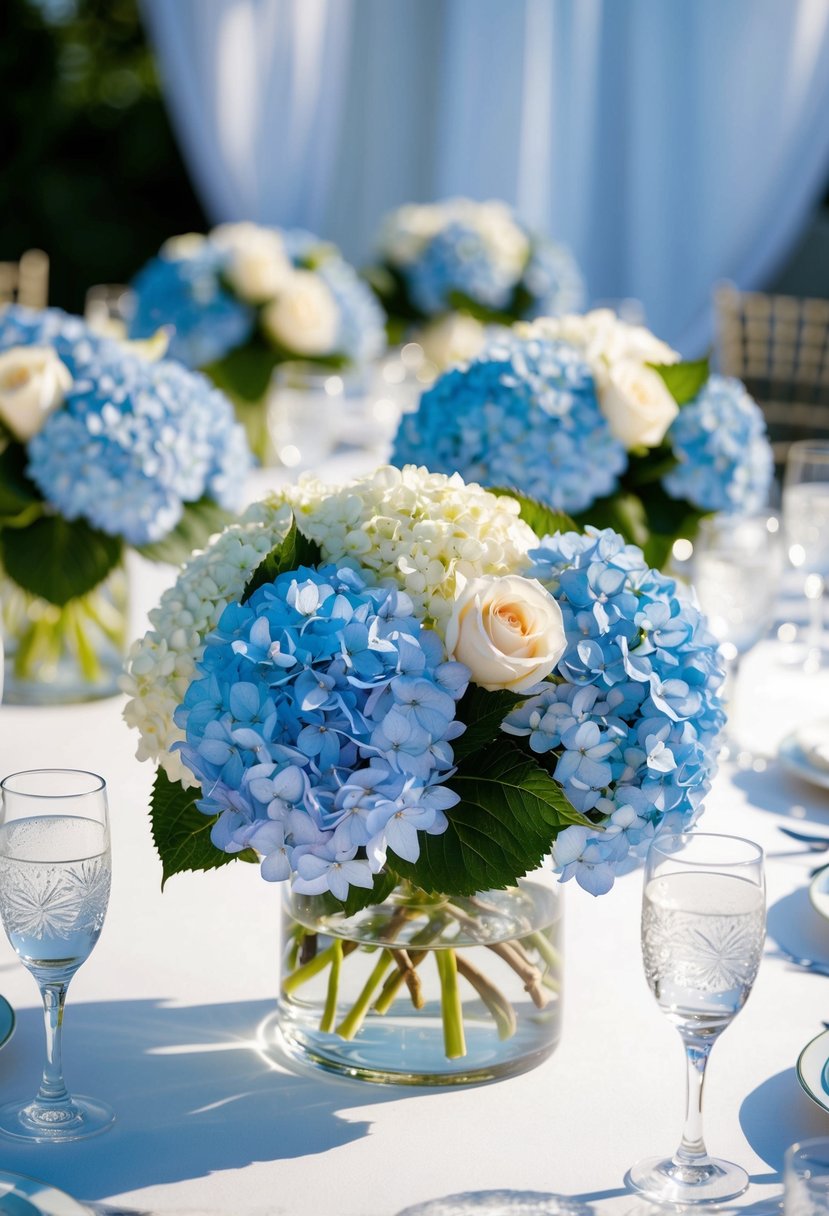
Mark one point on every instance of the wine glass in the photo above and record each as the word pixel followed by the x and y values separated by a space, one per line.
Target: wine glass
pixel 54 888
pixel 738 564
pixel 703 925
pixel 806 519
pixel 806 1178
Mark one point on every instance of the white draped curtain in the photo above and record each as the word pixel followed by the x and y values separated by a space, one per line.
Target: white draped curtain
pixel 669 144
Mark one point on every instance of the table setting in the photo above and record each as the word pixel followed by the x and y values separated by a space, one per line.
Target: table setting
pixel 414 672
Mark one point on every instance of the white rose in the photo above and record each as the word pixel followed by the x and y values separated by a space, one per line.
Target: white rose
pixel 508 631
pixel 455 338
pixel 508 244
pixel 188 245
pixel 258 266
pixel 33 383
pixel 305 317
pixel 636 403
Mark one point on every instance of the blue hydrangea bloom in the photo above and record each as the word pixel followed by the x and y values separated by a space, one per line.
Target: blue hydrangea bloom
pixel 725 460
pixel 362 328
pixel 634 720
pixel 523 414
pixel 456 259
pixel 133 441
pixel 187 293
pixel 320 728
pixel 553 280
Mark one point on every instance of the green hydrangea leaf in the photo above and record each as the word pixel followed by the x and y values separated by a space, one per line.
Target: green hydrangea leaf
pixel 58 559
pixel 543 520
pixel 181 833
pixel 482 712
pixel 294 551
pixel 684 380
pixel 511 810
pixel 200 520
pixel 20 502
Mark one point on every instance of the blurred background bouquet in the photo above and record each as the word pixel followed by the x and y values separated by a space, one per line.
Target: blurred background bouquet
pixel 100 448
pixel 447 270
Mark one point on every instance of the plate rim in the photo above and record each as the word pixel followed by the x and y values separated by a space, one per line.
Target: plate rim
pixel 4 1002
pixel 821 1101
pixel 813 885
pixel 49 1187
pixel 791 755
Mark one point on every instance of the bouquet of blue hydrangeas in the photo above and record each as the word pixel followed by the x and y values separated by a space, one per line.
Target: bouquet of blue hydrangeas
pixel 602 420
pixel 245 297
pixel 408 680
pixel 100 448
pixel 450 269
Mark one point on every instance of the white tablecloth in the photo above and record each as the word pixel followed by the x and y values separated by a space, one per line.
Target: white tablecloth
pixel 162 1022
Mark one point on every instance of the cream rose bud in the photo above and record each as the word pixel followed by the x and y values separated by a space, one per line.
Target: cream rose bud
pixel 305 318
pixel 636 403
pixel 508 631
pixel 33 383
pixel 258 266
pixel 455 338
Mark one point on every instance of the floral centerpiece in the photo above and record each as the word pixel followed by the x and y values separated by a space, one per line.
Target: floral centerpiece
pixel 396 694
pixel 602 420
pixel 244 298
pixel 100 448
pixel 454 267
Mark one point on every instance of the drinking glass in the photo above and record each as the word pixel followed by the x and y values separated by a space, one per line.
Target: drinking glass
pixel 703 925
pixel 738 564
pixel 109 309
pixel 806 520
pixel 309 408
pixel 54 888
pixel 806 1178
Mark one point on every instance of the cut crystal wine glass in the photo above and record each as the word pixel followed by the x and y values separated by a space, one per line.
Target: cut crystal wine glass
pixel 703 926
pixel 54 888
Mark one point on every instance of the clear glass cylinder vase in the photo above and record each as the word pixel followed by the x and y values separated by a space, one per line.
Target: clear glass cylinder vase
pixel 422 989
pixel 60 655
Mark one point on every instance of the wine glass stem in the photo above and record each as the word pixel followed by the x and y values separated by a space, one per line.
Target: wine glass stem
pixel 815 589
pixel 692 1150
pixel 53 1092
pixel 732 691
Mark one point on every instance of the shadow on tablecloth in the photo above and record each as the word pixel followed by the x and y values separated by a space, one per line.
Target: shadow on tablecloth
pixel 191 1091
pixel 776 1114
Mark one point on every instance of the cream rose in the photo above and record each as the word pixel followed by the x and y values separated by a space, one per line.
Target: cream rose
pixel 508 631
pixel 258 266
pixel 305 317
pixel 187 245
pixel 33 383
pixel 455 338
pixel 636 403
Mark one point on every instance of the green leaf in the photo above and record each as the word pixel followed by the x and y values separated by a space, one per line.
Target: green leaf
pixel 200 520
pixel 684 380
pixel 483 712
pixel 20 501
pixel 624 513
pixel 510 811
pixel 58 559
pixel 291 553
pixel 181 833
pixel 245 373
pixel 543 520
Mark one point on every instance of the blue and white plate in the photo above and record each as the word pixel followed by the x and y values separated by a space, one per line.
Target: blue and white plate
pixel 805 753
pixel 6 1023
pixel 21 1196
pixel 813 1069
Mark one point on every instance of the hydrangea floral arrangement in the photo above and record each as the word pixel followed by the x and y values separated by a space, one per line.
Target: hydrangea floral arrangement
pixel 99 448
pixel 602 420
pixel 244 297
pixel 409 679
pixel 454 267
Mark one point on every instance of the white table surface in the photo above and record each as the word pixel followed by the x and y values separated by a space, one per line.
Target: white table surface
pixel 163 1020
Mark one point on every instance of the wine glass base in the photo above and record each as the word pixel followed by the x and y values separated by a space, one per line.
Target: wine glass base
pixel 27 1121
pixel 663 1181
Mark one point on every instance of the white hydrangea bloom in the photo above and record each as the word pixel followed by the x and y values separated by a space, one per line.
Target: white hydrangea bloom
pixel 162 664
pixel 416 528
pixel 603 339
